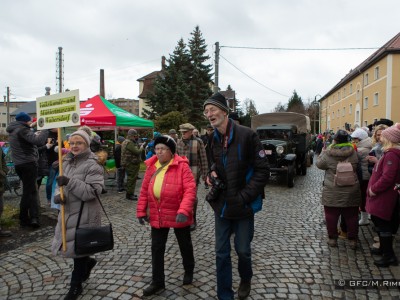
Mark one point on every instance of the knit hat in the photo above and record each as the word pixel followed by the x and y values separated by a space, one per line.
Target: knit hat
pixel 88 130
pixel 167 141
pixel 120 139
pixel 341 136
pixel 83 134
pixel 392 133
pixel 23 117
pixel 132 132
pixel 156 134
pixel 172 131
pixel 218 100
pixel 360 134
pixel 186 127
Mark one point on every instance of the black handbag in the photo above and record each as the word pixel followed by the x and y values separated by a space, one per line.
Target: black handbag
pixel 90 240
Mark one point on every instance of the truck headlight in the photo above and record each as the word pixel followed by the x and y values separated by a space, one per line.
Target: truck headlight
pixel 279 150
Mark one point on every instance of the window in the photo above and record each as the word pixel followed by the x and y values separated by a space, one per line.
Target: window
pixel 365 102
pixel 376 99
pixel 357 116
pixel 358 95
pixel 376 73
pixel 366 79
pixel 338 113
pixel 344 92
pixel 351 88
pixel 365 123
pixel 344 111
pixel 338 96
pixel 3 125
pixel 350 109
pixel 333 115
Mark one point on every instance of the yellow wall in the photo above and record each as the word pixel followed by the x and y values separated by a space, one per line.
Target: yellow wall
pixel 353 93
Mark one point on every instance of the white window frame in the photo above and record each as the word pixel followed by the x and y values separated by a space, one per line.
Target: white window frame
pixel 350 109
pixel 351 88
pixel 366 79
pixel 376 73
pixel 376 99
pixel 365 104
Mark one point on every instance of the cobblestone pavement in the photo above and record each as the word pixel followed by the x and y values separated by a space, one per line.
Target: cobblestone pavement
pixel 291 259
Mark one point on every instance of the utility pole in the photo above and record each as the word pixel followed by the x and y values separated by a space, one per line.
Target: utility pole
pixel 216 73
pixel 8 105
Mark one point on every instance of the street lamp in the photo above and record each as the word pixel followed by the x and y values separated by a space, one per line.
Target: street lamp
pixel 316 106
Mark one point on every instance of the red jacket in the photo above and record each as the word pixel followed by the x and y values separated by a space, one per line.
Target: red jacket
pixel 178 194
pixel 385 174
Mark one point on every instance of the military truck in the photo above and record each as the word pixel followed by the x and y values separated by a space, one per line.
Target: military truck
pixel 286 139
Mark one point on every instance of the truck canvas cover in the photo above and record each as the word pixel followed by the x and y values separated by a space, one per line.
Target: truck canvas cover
pixel 301 121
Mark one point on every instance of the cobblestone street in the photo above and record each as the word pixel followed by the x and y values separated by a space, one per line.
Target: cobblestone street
pixel 291 258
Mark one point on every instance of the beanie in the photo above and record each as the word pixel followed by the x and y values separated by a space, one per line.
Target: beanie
pixel 218 100
pixel 167 141
pixel 341 136
pixel 360 134
pixel 132 132
pixel 23 117
pixel 392 133
pixel 120 139
pixel 88 130
pixel 83 134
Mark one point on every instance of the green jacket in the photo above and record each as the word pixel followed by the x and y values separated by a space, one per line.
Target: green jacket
pixel 130 153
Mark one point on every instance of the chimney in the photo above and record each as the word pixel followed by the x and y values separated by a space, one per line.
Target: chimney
pixel 47 91
pixel 162 63
pixel 102 91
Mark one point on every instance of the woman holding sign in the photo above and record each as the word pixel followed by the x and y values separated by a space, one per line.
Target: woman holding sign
pixel 82 178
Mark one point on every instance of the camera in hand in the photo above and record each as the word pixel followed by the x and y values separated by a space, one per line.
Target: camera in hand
pixel 217 187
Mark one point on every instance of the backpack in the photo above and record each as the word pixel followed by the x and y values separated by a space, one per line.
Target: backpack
pixel 345 175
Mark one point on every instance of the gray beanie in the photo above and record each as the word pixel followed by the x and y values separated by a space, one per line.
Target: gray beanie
pixel 218 100
pixel 82 134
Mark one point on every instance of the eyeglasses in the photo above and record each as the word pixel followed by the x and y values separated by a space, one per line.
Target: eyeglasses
pixel 76 144
pixel 162 149
pixel 211 111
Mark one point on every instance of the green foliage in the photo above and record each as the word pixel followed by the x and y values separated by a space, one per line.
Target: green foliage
pixel 171 120
pixel 279 108
pixel 295 104
pixel 184 84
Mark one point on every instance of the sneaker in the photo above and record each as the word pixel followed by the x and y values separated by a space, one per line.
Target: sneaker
pixel 244 289
pixel 120 191
pixel 74 292
pixel 376 238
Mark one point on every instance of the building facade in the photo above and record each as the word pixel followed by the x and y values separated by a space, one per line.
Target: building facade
pixel 367 93
pixel 130 105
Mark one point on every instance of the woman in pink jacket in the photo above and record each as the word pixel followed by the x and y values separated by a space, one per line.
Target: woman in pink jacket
pixel 382 199
pixel 166 201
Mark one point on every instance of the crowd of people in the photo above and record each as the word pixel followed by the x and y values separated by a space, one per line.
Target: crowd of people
pixel 371 191
pixel 229 160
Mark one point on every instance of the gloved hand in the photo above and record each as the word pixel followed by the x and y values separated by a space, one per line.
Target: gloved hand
pixel 62 180
pixel 143 219
pixel 181 218
pixel 58 200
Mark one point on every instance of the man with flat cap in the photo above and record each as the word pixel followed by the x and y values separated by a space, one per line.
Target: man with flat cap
pixel 172 133
pixel 130 160
pixel 193 149
pixel 238 161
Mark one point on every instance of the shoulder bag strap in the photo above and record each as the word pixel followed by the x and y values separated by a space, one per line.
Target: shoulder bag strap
pixel 83 202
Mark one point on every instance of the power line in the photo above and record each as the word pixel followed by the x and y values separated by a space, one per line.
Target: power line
pixel 263 85
pixel 299 49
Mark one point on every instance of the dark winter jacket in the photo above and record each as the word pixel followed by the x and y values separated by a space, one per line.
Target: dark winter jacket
pixel 243 167
pixel 385 174
pixel 117 155
pixel 24 142
pixel 43 166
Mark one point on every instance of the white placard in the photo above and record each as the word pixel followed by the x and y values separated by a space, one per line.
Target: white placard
pixel 58 110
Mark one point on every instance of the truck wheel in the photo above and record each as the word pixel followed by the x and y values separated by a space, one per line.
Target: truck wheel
pixel 290 176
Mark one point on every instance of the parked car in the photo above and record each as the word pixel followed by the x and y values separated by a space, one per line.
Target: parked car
pixel 286 139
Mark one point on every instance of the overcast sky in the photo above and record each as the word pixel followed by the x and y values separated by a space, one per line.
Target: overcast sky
pixel 127 38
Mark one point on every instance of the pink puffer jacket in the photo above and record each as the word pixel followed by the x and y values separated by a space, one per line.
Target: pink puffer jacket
pixel 178 194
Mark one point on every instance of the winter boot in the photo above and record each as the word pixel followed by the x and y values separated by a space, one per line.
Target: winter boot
pixel 388 257
pixel 363 219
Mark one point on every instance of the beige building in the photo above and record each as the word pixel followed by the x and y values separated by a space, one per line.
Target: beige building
pixel 3 114
pixel 130 105
pixel 367 93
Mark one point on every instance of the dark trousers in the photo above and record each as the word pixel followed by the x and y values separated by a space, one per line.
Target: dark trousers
pixel 350 216
pixel 363 188
pixel 132 172
pixel 49 183
pixel 80 270
pixel 29 205
pixel 158 241
pixel 120 178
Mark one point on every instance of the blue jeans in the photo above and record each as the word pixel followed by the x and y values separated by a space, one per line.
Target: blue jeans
pixel 244 232
pixel 49 183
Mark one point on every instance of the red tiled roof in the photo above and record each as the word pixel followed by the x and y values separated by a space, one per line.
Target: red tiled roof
pixel 392 46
